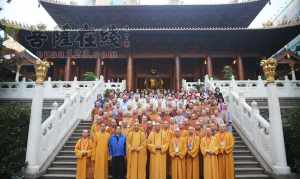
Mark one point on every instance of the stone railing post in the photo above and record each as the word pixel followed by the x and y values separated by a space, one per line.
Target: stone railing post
pixel 233 83
pixel 184 85
pixel 34 133
pixel 48 83
pixel 55 107
pixel 254 107
pixel 23 83
pixel 280 166
pixel 260 83
pixel 75 82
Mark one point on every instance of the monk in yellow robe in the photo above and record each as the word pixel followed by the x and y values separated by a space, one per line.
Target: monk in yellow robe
pixel 83 151
pixel 158 147
pixel 95 128
pixel 183 131
pixel 226 143
pixel 137 153
pixel 178 151
pixel 100 154
pixel 209 148
pixel 192 158
pixel 200 133
pixel 167 133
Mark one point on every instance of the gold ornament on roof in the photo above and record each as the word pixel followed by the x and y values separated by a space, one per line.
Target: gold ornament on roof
pixel 268 23
pixel 269 68
pixel 41 70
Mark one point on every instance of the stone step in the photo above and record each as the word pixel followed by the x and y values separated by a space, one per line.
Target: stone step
pixel 60 170
pixel 58 176
pixel 250 170
pixel 244 158
pixel 246 164
pixel 60 158
pixel 241 152
pixel 63 164
pixel 252 176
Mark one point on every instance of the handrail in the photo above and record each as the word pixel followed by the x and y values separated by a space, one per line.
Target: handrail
pixel 62 121
pixel 251 124
pixel 52 89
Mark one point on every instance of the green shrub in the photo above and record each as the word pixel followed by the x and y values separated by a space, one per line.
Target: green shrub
pixel 199 87
pixel 292 136
pixel 227 72
pixel 14 122
pixel 89 76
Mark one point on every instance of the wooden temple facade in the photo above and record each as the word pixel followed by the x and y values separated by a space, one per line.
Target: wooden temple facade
pixel 165 43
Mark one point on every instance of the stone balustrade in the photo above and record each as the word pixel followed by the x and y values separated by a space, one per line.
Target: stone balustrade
pixel 56 129
pixel 250 88
pixel 53 89
pixel 251 125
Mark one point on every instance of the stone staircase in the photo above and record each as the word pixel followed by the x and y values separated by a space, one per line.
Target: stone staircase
pixel 246 165
pixel 64 164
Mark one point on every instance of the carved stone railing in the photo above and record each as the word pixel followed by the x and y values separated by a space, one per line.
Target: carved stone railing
pixel 118 86
pixel 56 129
pixel 52 89
pixel 251 125
pixel 188 86
pixel 260 134
pixel 257 88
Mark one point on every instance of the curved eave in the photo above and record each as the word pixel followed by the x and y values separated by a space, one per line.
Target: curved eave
pixel 219 15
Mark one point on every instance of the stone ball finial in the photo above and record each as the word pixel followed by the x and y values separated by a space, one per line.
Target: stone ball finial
pixel 254 104
pixel 55 105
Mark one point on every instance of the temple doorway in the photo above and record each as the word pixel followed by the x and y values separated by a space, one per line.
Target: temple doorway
pixel 154 73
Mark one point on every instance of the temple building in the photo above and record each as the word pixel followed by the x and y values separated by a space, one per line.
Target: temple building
pixel 164 43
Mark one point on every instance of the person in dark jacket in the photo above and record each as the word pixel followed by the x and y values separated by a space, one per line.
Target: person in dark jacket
pixel 117 151
pixel 218 95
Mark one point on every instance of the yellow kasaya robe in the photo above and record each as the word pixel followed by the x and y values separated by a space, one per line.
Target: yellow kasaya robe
pixel 178 161
pixel 157 157
pixel 209 148
pixel 167 133
pixel 94 129
pixel 200 134
pixel 184 133
pixel 83 151
pixel 100 155
pixel 192 158
pixel 136 160
pixel 125 131
pixel 225 158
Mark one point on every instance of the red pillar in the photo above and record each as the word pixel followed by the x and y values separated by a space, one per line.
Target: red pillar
pixel 98 67
pixel 209 66
pixel 177 73
pixel 67 69
pixel 129 73
pixel 241 73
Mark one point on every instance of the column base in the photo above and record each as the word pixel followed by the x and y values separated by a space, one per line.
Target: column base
pixel 281 170
pixel 32 172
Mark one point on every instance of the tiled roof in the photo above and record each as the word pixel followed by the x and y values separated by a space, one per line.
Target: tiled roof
pixel 156 16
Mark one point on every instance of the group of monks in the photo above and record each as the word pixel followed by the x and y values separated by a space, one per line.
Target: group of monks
pixel 182 135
